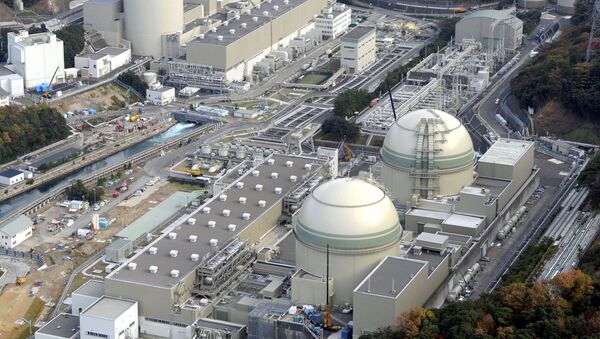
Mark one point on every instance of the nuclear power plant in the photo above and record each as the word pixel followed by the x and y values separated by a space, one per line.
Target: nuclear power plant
pixel 285 245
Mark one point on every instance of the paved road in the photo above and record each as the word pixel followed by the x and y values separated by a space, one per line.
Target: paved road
pixel 13 269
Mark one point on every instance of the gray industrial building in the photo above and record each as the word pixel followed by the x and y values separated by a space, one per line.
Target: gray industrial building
pixel 495 29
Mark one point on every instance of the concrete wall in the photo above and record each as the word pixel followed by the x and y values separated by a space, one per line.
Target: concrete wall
pixel 480 29
pixel 104 17
pixel 81 302
pixel 347 269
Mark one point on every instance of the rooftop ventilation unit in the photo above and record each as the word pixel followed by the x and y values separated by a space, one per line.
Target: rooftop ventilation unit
pixel 259 187
pixel 246 216
pixel 271 162
pixel 220 37
pixel 278 190
pixel 231 227
pixel 226 213
pixel 266 13
pixel 213 242
pixel 255 18
pixel 242 200
pixel 152 250
pixel 204 301
pixel 132 266
pixel 195 257
pixel 262 203
pixel 244 25
pixel 213 29
pixel 206 210
pixel 289 164
pixel 287 2
pixel 173 253
pixel 212 224
pixel 172 235
pixel 191 221
pixel 226 23
pixel 201 36
pixel 174 273
pixel 223 197
pixel 153 269
pixel 237 17
pixel 276 7
pixel 255 173
pixel 308 167
pixel 193 238
pixel 239 184
pixel 274 175
pixel 293 178
pixel 232 31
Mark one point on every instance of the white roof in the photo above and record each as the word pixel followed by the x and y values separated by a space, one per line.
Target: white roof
pixel 432 238
pixel 462 220
pixel 506 151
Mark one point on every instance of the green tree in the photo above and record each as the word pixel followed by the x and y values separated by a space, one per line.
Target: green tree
pixel 340 128
pixel 73 41
pixel 133 80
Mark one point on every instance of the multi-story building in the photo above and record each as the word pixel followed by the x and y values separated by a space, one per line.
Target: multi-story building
pixel 36 57
pixel 358 49
pixel 104 61
pixel 334 21
pixel 493 28
pixel 15 231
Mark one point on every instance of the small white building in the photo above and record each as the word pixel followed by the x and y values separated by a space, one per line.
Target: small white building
pixel 11 83
pixel 245 113
pixel 10 177
pixel 334 21
pixel 358 49
pixel 160 95
pixel 110 318
pixel 63 326
pixel 103 62
pixel 15 231
pixel 36 57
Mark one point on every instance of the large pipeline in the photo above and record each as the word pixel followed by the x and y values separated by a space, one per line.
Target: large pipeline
pixel 511 224
pixel 471 273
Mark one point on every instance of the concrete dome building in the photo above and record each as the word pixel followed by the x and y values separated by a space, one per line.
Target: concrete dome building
pixel 360 225
pixel 427 152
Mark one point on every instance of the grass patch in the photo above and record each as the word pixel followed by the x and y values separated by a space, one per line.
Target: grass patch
pixel 32 314
pixel 331 66
pixel 529 262
pixel 314 78
pixel 78 281
pixel 584 134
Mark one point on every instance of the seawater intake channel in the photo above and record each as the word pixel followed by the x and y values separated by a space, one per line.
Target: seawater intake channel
pixel 31 201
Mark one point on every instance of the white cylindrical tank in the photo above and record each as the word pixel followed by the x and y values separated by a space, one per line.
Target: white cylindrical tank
pixel 224 150
pixel 206 149
pixel 360 225
pixel 150 78
pixel 430 145
pixel 146 21
pixel 240 153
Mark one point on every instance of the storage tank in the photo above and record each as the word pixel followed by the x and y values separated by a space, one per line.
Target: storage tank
pixel 146 21
pixel 240 153
pixel 150 78
pixel 224 150
pixel 206 149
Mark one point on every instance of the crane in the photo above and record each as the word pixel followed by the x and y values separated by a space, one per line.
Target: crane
pixel 46 93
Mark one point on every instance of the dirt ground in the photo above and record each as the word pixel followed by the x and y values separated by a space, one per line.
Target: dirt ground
pixel 50 6
pixel 556 120
pixel 102 98
pixel 61 263
pixel 6 13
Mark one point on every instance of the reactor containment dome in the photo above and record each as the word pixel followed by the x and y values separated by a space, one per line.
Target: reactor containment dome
pixel 147 21
pixel 358 222
pixel 427 152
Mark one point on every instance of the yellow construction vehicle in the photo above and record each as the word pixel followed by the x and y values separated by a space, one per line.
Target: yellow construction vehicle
pixel 194 172
pixel 347 152
pixel 134 118
pixel 21 281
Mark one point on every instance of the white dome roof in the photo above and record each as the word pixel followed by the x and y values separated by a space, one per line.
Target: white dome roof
pixel 348 213
pixel 452 142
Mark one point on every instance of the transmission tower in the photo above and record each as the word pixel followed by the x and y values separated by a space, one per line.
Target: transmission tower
pixel 594 34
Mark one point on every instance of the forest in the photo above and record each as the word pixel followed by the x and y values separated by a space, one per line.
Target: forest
pixel 560 72
pixel 23 130
pixel 73 41
pixel 590 178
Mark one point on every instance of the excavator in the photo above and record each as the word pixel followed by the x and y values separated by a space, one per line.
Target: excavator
pixel 46 94
pixel 345 149
pixel 194 172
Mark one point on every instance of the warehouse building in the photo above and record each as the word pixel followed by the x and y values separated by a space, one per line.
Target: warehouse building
pixel 358 49
pixel 11 177
pixel 14 231
pixel 36 57
pixel 493 28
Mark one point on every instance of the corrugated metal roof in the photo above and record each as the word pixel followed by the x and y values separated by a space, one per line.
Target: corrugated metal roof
pixel 16 225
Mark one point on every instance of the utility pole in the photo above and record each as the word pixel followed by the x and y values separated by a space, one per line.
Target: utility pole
pixel 593 31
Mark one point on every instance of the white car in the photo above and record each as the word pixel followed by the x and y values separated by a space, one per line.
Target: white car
pixel 96 208
pixel 497 101
pixel 102 203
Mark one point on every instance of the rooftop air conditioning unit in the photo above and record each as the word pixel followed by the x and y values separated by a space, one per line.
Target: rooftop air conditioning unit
pixel 255 18
pixel 259 187
pixel 153 269
pixel 173 253
pixel 220 37
pixel 213 242
pixel 242 200
pixel 246 216
pixel 255 173
pixel 192 221
pixel 223 197
pixel 289 164
pixel 132 266
pixel 262 203
pixel 271 162
pixel 174 273
pixel 244 25
pixel 232 31
pixel 201 36
pixel 206 210
pixel 266 13
pixel 193 238
pixel 278 190
pixel 274 175
pixel 195 257
pixel 152 250
pixel 293 178
pixel 212 224
pixel 308 167
pixel 226 213
pixel 231 227
pixel 276 7
pixel 213 29
pixel 226 23
pixel 172 235
pixel 239 184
